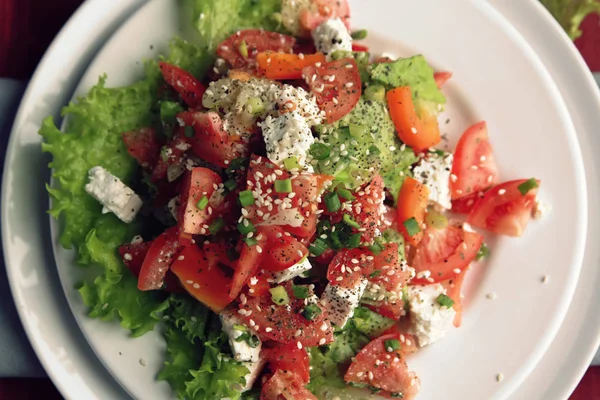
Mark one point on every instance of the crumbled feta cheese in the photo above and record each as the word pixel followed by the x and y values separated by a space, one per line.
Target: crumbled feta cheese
pixel 434 172
pixel 340 302
pixel 293 271
pixel 173 206
pixel 429 320
pixel 242 351
pixel 288 135
pixel 540 210
pixel 290 216
pixel 291 11
pixel 113 194
pixel 332 35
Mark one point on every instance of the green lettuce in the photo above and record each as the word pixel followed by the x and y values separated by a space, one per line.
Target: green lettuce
pixel 570 13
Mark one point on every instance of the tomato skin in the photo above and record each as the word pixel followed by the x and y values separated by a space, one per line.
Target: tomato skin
pixel 191 219
pixel 412 203
pixel 207 284
pixel 133 255
pixel 360 47
pixel 143 145
pixel 189 88
pixel 341 268
pixel 286 386
pixel 283 66
pixel 322 10
pixel 464 205
pixel 441 78
pixel 257 41
pixel 250 259
pixel 288 358
pixel 445 253
pixel 346 88
pixel 507 213
pixel 158 259
pixel 474 168
pixel 283 250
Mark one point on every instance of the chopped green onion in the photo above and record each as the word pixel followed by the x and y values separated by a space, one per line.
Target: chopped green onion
pixel 169 111
pixel 376 247
pixel 345 194
pixel 391 345
pixel 336 243
pixel 250 241
pixel 216 226
pixel 279 295
pixel 528 185
pixel 412 226
pixel 243 49
pixel 240 327
pixel 354 241
pixel 311 312
pixel 245 227
pixel 375 93
pixel 436 219
pixel 319 151
pixel 318 247
pixel 165 152
pixel 232 254
pixel 301 292
pixel 375 274
pixel 188 131
pixel 202 203
pixel 397 395
pixel 445 301
pixel 357 131
pixel 246 198
pixel 405 294
pixel 359 35
pixel 235 164
pixel 255 105
pixel 291 163
pixel 252 340
pixel 230 184
pixel 332 202
pixel 350 222
pixel 283 186
pixel 483 252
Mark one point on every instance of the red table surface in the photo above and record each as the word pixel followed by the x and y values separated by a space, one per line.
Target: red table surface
pixel 32 24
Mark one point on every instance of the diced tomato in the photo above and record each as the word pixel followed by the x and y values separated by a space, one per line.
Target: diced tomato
pixel 418 131
pixel 171 159
pixel 281 322
pixel 189 88
pixel 285 385
pixel 143 145
pixel 320 11
pixel 341 269
pixel 445 253
pixel 256 41
pixel 336 97
pixel 359 47
pixel 284 66
pixel 464 205
pixel 453 287
pixel 474 166
pixel 198 183
pixel 216 253
pixel 133 255
pixel 441 78
pixel 206 283
pixel 160 255
pixel 211 142
pixel 283 250
pixel 368 214
pixel 288 358
pixel 412 203
pixel 373 367
pixel 250 259
pixel 504 209
pixel 259 286
pixel 325 257
pixel 408 342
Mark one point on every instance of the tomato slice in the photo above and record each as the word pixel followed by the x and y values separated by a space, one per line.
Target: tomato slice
pixel 419 132
pixel 360 47
pixel 189 88
pixel 441 78
pixel 283 66
pixel 283 250
pixel 373 367
pixel 504 209
pixel 322 10
pixel 366 208
pixel 248 263
pixel 160 255
pixel 256 41
pixel 133 255
pixel 335 97
pixel 211 142
pixel 171 158
pixel 453 287
pixel 412 204
pixel 342 269
pixel 464 205
pixel 143 145
pixel 198 183
pixel 288 358
pixel 444 253
pixel 206 283
pixel 216 253
pixel 474 169
pixel 285 385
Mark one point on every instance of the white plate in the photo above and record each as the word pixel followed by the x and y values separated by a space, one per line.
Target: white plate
pixel 78 376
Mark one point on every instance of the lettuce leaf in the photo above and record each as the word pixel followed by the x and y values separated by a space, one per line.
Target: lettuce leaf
pixel 570 13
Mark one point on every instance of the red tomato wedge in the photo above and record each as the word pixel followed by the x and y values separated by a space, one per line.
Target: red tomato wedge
pixel 284 66
pixel 335 97
pixel 419 132
pixel 408 342
pixel 189 88
pixel 359 47
pixel 283 250
pixel 241 48
pixel 366 208
pixel 444 253
pixel 391 374
pixel 211 142
pixel 341 270
pixel 453 287
pixel 474 168
pixel 464 205
pixel 247 265
pixel 281 322
pixel 160 255
pixel 143 145
pixel 285 385
pixel 412 204
pixel 206 283
pixel 504 209
pixel 216 253
pixel 193 217
pixel 322 10
pixel 288 358
pixel 133 255
pixel 441 78
pixel 170 160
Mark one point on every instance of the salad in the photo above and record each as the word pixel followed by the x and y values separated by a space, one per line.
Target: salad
pixel 282 202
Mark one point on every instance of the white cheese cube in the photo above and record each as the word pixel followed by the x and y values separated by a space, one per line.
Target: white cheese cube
pixel 429 320
pixel 434 172
pixel 288 135
pixel 254 368
pixel 113 194
pixel 332 35
pixel 340 302
pixel 242 351
pixel 290 216
pixel 293 271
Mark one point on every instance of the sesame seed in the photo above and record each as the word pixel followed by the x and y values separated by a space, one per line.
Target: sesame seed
pixel 322 342
pixel 370 375
pixel 500 377
pixel 242 311
pixel 252 323
pixel 259 249
pixel 453 177
pixel 456 270
pixel 359 374
pixel 299 345
pixel 339 278
pixel 268 329
pixel 482 158
pixel 349 84
pixel 414 130
pixel 490 179
pixel 181 258
pixel 298 332
pixel 323 327
pixel 501 191
pixel 474 167
pixel 545 279
pixel 196 286
pixel 391 272
pixel 491 296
